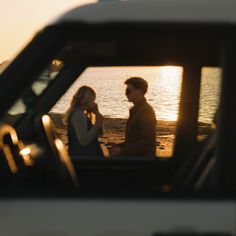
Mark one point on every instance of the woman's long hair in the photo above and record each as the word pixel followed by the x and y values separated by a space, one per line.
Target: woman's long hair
pixel 82 98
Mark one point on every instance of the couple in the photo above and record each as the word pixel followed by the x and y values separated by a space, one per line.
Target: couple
pixel 140 135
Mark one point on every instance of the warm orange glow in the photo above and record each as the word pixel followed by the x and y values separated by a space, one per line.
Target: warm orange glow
pixel 5 130
pixel 171 71
pixel 25 151
pixel 46 119
pixel 18 26
pixel 10 159
pixel 63 155
pixel 29 153
pixel 171 84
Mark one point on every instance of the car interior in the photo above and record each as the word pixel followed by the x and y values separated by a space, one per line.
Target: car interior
pixel 34 157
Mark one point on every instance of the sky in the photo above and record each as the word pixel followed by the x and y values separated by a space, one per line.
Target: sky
pixel 21 19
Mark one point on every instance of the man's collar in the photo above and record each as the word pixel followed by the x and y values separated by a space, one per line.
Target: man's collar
pixel 140 102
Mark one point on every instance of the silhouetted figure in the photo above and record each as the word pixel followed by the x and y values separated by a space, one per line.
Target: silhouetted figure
pixel 82 133
pixel 140 136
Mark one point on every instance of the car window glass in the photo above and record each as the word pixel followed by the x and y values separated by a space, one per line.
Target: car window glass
pixel 28 99
pixel 209 100
pixel 164 86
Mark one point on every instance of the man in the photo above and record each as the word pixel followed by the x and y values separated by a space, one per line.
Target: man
pixel 140 135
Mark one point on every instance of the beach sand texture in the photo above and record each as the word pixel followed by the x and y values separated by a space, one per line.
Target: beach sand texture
pixel 114 131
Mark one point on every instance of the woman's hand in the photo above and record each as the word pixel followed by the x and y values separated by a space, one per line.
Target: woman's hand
pixel 99 117
pixel 94 108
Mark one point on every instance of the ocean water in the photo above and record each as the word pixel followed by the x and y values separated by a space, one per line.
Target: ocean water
pixel 163 92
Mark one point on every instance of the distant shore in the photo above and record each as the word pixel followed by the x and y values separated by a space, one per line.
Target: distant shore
pixel 114 130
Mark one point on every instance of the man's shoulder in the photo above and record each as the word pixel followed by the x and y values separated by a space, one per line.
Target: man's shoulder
pixel 148 111
pixel 147 107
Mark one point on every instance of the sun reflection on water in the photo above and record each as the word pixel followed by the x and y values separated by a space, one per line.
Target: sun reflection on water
pixel 164 84
pixel 166 87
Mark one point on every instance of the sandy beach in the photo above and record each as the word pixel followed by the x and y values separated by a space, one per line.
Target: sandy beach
pixel 114 130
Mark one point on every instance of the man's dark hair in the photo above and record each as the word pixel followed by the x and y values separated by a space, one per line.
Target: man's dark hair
pixel 138 83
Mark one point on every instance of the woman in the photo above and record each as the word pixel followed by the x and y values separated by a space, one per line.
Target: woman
pixel 82 134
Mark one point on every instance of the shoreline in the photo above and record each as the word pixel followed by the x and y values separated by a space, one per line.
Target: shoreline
pixel 114 131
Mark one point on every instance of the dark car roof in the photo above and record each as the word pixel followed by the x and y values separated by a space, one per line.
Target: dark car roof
pixel 163 11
